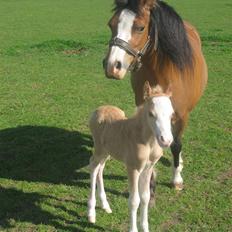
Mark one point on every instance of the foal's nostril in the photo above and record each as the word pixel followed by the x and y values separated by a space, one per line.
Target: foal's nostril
pixel 162 138
pixel 118 65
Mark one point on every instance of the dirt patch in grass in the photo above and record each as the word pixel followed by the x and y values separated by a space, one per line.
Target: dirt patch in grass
pixel 225 176
pixel 74 51
pixel 165 226
pixel 67 47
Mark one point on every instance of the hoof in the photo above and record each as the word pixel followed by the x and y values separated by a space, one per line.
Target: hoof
pixel 92 219
pixel 178 186
pixel 108 210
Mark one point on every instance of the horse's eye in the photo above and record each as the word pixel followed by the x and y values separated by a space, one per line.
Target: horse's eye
pixel 139 28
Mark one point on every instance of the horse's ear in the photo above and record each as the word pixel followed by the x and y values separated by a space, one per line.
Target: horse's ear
pixel 147 91
pixel 121 2
pixel 149 4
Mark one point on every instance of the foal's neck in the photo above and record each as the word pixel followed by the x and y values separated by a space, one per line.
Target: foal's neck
pixel 140 124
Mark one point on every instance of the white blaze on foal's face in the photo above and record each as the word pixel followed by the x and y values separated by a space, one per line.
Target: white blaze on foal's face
pixel 118 58
pixel 161 113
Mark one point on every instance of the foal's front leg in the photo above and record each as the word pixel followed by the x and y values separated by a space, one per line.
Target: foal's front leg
pixel 134 200
pixel 144 192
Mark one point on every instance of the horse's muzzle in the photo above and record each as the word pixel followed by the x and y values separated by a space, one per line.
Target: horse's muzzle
pixel 108 74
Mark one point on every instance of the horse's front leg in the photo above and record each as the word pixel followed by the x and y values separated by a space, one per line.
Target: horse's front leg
pixel 144 192
pixel 134 200
pixel 177 180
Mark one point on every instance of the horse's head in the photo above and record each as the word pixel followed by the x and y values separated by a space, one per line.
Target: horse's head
pixel 130 36
pixel 159 113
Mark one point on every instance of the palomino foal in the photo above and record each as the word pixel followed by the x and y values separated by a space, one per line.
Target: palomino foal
pixel 137 142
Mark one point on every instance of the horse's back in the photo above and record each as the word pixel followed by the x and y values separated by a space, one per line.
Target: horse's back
pixel 192 33
pixel 196 78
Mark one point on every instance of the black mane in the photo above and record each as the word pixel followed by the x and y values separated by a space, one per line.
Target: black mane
pixel 172 41
pixel 129 4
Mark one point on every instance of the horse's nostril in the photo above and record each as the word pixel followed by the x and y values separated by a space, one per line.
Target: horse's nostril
pixel 118 65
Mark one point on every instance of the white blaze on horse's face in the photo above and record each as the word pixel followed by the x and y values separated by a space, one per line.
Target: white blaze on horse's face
pixel 161 115
pixel 118 60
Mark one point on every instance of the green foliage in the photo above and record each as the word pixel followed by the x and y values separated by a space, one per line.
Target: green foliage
pixel 51 79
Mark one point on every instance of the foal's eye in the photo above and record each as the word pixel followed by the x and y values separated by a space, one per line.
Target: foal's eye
pixel 139 28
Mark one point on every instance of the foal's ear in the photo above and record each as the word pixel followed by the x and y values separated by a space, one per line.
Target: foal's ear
pixel 147 91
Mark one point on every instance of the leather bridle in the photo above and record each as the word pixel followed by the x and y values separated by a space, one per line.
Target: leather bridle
pixel 137 54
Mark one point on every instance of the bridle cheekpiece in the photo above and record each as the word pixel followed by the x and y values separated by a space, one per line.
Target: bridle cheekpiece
pixel 137 54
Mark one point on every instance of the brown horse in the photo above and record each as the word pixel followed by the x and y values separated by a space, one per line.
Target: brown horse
pixel 151 40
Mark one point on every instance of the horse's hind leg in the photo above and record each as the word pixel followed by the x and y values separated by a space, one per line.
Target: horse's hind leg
pixel 101 190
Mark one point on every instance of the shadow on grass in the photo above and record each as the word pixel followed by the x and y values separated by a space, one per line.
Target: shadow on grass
pixel 165 162
pixel 46 154
pixel 43 154
pixel 17 206
pixel 68 47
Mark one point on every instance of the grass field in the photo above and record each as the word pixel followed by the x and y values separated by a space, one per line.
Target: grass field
pixel 51 79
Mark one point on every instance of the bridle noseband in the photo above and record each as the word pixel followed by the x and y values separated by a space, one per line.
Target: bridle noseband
pixel 137 54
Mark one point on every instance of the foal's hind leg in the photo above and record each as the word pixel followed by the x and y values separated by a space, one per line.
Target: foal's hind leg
pixel 101 190
pixel 94 169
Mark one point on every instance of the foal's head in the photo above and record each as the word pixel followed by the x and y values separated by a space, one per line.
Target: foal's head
pixel 159 112
pixel 130 36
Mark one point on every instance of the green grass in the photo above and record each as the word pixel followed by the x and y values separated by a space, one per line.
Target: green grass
pixel 51 79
